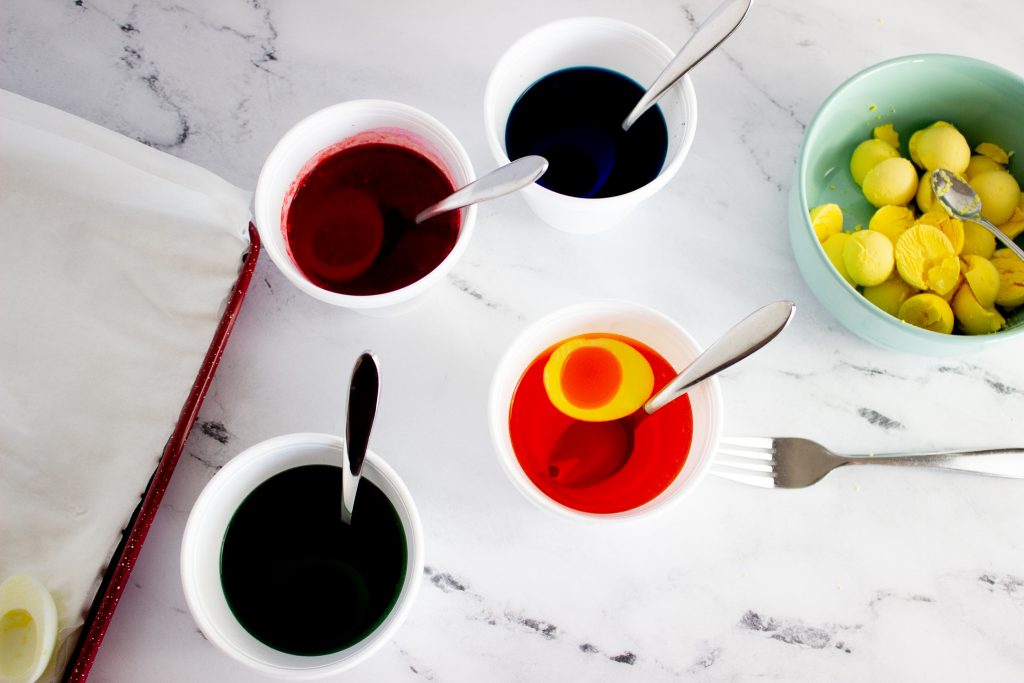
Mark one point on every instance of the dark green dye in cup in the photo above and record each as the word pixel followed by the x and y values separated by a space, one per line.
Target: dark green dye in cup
pixel 300 580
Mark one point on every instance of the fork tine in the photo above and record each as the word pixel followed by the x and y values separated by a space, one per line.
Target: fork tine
pixel 743 463
pixel 756 442
pixel 764 456
pixel 761 480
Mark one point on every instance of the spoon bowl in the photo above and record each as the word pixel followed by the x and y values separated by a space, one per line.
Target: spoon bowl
pixel 961 201
pixel 588 453
pixel 363 398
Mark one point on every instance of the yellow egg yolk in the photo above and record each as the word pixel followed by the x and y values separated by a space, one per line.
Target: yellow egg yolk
pixel 597 379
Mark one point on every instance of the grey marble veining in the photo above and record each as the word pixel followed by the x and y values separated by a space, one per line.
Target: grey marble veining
pixel 870 575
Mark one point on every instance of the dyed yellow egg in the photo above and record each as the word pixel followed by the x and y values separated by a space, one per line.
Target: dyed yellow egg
pixel 948 296
pixel 943 147
pixel 833 248
pixel 892 181
pixel 890 295
pixel 868 257
pixel 978 240
pixel 974 318
pixel 891 221
pixel 925 199
pixel 887 133
pixel 999 193
pixel 952 228
pixel 1011 278
pixel 597 379
pixel 926 260
pixel 983 278
pixel 993 152
pixel 867 155
pixel 827 220
pixel 980 164
pixel 28 629
pixel 915 140
pixel 1015 225
pixel 928 311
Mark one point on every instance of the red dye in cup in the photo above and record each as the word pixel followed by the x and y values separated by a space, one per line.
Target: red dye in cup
pixel 349 220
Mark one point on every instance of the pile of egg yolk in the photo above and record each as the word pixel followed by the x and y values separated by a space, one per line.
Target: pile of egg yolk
pixel 914 261
pixel 597 378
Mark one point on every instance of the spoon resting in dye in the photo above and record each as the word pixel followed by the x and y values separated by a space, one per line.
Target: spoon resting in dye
pixel 501 181
pixel 363 397
pixel 372 230
pixel 712 33
pixel 587 453
pixel 961 201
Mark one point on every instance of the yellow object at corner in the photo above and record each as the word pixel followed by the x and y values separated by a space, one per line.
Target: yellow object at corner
pixel 28 629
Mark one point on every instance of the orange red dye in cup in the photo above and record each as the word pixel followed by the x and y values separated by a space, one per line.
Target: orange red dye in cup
pixel 598 377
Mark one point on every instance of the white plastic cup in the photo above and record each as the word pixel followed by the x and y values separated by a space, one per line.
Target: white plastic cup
pixel 294 154
pixel 599 42
pixel 204 538
pixel 613 317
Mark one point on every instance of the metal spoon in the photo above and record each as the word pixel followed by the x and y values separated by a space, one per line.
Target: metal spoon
pixel 961 201
pixel 709 36
pixel 587 453
pixel 498 183
pixel 363 397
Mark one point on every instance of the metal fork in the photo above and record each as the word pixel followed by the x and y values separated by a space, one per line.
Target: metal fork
pixel 789 463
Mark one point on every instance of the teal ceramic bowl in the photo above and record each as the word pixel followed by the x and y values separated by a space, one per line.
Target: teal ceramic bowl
pixel 984 101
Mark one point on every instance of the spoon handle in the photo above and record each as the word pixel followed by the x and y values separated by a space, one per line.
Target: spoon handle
pixel 363 396
pixel 709 35
pixel 498 183
pixel 749 335
pixel 999 235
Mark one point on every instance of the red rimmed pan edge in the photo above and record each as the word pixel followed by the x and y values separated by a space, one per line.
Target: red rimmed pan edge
pixel 123 559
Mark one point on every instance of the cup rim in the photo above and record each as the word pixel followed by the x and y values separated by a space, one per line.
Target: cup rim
pixel 668 171
pixel 498 421
pixel 802 171
pixel 284 262
pixel 220 486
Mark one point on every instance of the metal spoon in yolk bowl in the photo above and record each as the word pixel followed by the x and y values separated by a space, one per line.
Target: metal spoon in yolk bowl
pixel 364 223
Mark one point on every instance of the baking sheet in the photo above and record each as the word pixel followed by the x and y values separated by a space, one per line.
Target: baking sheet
pixel 117 264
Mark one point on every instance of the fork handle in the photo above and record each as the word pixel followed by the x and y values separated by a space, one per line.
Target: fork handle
pixel 997 462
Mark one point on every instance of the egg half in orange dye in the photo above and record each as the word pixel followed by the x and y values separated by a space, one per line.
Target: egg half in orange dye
pixel 597 379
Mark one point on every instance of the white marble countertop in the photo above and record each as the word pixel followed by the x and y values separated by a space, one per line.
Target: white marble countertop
pixel 871 574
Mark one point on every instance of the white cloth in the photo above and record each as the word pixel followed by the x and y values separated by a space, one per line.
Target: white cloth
pixel 115 264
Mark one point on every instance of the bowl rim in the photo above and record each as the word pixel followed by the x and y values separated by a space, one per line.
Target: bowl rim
pixel 261 206
pixel 929 336
pixel 233 483
pixel 497 412
pixel 671 167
